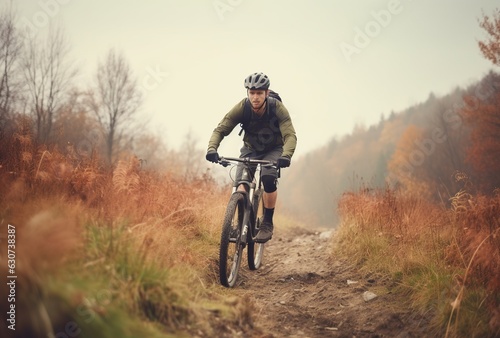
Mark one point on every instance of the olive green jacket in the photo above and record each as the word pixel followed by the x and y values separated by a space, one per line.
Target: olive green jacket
pixel 262 134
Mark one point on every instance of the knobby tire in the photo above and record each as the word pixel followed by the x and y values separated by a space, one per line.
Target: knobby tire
pixel 231 251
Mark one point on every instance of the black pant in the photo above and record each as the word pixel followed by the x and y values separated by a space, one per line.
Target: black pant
pixel 268 172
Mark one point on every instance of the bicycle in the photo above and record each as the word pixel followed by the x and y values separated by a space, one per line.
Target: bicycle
pixel 242 220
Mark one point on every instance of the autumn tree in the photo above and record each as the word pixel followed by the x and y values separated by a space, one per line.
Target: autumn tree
pixel 10 50
pixel 191 156
pixel 48 74
pixel 430 151
pixel 115 101
pixel 152 152
pixel 407 162
pixel 482 112
pixel 76 129
pixel 490 47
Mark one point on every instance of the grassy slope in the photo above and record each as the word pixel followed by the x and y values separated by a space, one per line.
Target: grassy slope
pixel 446 262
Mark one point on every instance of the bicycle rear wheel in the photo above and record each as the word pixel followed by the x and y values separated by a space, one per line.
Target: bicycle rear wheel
pixel 255 251
pixel 231 248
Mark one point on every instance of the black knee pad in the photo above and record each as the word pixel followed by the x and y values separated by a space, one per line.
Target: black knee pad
pixel 269 182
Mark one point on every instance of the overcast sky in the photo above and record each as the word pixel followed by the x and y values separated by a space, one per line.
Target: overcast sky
pixel 335 63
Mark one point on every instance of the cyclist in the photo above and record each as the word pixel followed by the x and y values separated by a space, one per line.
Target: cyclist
pixel 269 135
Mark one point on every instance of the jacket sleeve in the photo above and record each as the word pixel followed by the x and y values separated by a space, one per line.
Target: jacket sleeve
pixel 287 130
pixel 226 125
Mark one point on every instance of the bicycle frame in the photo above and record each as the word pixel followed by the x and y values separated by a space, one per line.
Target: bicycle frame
pixel 244 204
pixel 250 183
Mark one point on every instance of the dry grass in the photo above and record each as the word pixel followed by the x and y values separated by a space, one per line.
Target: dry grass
pixel 446 260
pixel 148 240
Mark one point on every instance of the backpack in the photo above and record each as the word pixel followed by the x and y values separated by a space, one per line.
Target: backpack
pixel 247 110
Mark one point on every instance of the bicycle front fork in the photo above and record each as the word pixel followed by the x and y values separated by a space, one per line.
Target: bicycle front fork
pixel 244 234
pixel 245 225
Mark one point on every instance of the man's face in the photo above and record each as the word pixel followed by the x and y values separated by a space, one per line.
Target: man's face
pixel 257 97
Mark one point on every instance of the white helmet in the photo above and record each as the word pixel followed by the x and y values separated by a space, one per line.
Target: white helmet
pixel 257 81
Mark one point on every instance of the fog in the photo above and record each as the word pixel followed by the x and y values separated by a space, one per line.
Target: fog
pixel 336 64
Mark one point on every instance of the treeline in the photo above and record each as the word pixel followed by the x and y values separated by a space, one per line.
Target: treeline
pixel 431 148
pixel 115 234
pixel 102 119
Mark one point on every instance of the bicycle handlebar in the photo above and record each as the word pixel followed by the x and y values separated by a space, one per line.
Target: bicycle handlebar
pixel 225 161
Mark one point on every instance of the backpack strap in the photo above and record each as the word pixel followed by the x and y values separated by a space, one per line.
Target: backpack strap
pixel 271 104
pixel 247 116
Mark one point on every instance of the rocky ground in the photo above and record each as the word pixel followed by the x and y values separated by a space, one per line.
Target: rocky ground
pixel 301 291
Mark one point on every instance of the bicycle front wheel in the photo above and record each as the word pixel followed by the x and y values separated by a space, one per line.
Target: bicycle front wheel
pixel 255 251
pixel 231 248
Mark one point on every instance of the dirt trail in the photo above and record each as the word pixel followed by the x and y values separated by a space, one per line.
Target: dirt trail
pixel 300 291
